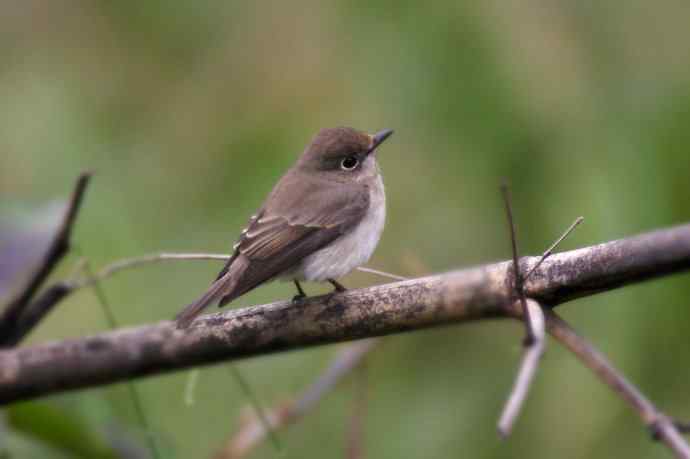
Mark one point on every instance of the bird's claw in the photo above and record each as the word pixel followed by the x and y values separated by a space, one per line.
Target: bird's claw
pixel 298 298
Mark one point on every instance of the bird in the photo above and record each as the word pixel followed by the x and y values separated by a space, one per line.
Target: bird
pixel 323 218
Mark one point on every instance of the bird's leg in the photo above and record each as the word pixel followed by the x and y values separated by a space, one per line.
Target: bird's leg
pixel 300 292
pixel 337 285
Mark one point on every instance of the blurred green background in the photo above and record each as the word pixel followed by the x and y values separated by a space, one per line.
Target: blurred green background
pixel 189 111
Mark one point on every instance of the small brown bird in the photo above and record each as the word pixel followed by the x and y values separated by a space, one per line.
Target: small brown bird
pixel 323 219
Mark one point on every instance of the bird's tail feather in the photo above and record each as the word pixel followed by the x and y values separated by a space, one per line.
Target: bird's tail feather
pixel 214 292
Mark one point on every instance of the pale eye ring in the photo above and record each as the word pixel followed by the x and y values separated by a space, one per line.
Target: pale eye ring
pixel 348 163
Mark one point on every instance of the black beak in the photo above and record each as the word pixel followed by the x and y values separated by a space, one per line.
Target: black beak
pixel 378 138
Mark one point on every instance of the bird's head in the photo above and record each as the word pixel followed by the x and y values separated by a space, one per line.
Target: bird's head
pixel 343 152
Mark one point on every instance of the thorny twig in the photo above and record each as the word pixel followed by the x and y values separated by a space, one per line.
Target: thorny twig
pixel 534 339
pixel 534 315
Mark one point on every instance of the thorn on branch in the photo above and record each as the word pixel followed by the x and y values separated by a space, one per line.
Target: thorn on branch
pixel 550 250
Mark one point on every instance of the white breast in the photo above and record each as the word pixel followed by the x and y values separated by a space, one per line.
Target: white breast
pixel 351 250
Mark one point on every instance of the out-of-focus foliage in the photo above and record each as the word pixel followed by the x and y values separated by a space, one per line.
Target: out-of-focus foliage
pixel 64 429
pixel 189 111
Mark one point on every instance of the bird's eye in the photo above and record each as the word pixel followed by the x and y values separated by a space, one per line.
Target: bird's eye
pixel 349 163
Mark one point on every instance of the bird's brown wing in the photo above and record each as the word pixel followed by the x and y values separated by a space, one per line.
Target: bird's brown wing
pixel 294 222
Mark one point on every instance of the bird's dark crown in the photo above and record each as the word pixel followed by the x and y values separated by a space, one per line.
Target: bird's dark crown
pixel 343 152
pixel 334 143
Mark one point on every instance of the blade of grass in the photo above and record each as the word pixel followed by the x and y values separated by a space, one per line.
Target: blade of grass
pixel 190 387
pixel 258 408
pixel 131 387
pixel 4 452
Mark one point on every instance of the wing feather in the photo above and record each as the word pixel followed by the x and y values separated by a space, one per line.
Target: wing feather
pixel 295 222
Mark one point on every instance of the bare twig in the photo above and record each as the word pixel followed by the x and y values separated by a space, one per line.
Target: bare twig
pixel 11 316
pixel 528 368
pixel 252 433
pixel 550 250
pixel 381 273
pixel 128 263
pixel 661 426
pixel 519 284
pixel 34 313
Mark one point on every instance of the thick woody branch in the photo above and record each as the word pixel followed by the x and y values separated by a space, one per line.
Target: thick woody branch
pixel 459 296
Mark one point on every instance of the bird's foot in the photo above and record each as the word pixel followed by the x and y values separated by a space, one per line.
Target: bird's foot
pixel 300 293
pixel 298 298
pixel 337 285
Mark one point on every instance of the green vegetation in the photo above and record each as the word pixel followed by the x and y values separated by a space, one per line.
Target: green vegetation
pixel 189 111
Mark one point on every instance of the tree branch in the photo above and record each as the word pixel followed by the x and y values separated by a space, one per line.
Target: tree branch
pixel 459 296
pixel 12 327
pixel 35 311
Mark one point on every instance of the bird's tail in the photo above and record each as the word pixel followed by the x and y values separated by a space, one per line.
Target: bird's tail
pixel 215 291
